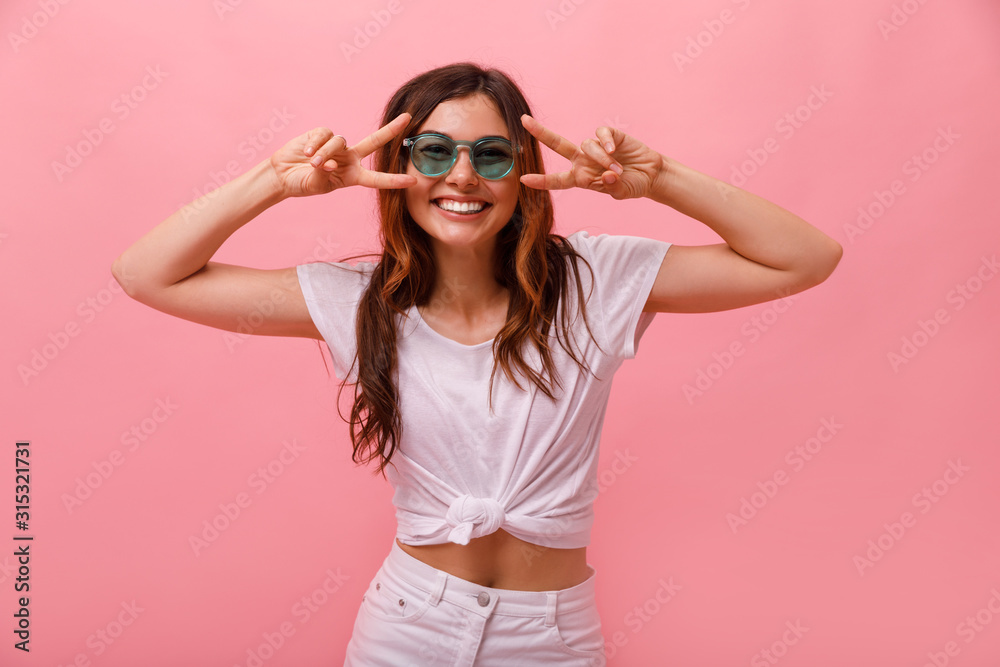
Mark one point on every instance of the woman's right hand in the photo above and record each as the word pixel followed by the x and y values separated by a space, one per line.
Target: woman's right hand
pixel 319 161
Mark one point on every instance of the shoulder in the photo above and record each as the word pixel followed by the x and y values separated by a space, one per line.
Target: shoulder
pixel 339 281
pixel 358 269
pixel 577 244
pixel 587 242
pixel 336 271
pixel 579 239
pixel 616 250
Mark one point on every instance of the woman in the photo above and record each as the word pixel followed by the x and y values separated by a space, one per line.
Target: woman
pixel 481 345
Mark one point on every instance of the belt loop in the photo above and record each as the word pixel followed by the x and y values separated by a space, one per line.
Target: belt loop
pixel 550 608
pixel 442 578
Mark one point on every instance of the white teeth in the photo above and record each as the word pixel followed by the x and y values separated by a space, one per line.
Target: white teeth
pixel 460 207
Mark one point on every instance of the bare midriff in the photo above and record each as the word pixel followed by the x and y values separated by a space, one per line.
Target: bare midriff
pixel 500 560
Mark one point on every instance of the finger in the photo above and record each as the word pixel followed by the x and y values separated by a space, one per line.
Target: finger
pixel 382 180
pixel 612 185
pixel 381 136
pixel 554 141
pixel 606 136
pixel 596 152
pixel 316 138
pixel 334 145
pixel 561 181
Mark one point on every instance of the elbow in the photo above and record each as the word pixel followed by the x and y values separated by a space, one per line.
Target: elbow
pixel 125 279
pixel 831 256
pixel 823 262
pixel 815 267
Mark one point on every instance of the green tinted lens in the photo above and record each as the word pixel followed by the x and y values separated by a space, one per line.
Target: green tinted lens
pixel 493 158
pixel 432 156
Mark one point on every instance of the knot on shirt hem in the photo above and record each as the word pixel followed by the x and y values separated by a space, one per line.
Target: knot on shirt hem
pixel 472 517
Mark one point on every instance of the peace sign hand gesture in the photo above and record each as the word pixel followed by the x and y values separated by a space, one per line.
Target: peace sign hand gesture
pixel 630 173
pixel 319 161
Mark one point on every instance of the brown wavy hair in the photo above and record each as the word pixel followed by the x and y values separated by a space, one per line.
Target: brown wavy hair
pixel 532 263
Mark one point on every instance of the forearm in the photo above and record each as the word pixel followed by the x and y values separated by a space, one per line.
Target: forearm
pixel 752 226
pixel 183 244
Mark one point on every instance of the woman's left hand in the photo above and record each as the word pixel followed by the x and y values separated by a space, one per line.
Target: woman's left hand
pixel 614 163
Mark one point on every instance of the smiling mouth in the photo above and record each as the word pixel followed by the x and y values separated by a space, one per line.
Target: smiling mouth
pixel 467 207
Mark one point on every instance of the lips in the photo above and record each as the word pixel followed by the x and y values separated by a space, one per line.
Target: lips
pixel 468 206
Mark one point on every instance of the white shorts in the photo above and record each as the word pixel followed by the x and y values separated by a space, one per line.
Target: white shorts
pixel 415 614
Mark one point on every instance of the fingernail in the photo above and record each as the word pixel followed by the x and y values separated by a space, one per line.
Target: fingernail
pixel 609 147
pixel 309 150
pixel 609 178
pixel 617 168
pixel 316 161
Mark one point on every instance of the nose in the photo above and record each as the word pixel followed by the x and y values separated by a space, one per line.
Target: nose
pixel 462 173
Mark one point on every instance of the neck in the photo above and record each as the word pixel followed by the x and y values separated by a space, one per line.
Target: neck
pixel 465 283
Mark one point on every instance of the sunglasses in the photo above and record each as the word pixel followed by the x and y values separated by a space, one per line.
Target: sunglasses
pixel 435 154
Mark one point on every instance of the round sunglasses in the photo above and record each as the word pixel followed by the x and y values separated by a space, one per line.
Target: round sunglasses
pixel 435 154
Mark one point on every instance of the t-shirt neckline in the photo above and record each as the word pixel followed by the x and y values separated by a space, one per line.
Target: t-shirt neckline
pixel 434 333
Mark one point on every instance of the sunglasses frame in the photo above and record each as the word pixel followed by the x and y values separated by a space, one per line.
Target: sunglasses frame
pixel 409 141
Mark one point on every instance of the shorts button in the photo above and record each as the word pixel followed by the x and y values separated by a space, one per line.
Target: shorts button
pixel 483 599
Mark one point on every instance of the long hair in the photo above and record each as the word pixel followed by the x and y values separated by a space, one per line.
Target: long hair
pixel 532 263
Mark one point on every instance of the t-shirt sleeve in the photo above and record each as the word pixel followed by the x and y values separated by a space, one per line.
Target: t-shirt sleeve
pixel 625 268
pixel 332 291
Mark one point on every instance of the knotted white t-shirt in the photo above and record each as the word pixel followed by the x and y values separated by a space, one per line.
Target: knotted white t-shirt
pixel 529 466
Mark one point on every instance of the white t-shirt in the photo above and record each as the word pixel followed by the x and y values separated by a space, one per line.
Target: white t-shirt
pixel 530 465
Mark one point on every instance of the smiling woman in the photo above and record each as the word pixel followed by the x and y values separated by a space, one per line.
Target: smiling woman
pixel 452 188
pixel 494 473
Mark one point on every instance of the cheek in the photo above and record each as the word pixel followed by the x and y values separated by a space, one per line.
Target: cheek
pixel 419 193
pixel 414 197
pixel 508 195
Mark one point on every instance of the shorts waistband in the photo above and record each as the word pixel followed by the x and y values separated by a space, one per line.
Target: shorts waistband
pixel 440 585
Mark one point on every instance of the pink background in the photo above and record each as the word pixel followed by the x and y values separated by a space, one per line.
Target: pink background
pixel 685 462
